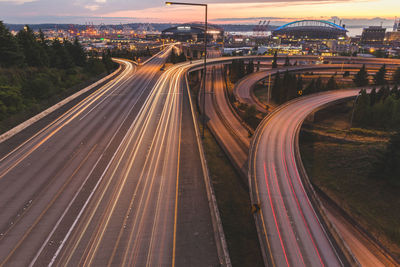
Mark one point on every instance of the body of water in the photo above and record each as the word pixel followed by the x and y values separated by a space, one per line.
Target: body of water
pixel 351 32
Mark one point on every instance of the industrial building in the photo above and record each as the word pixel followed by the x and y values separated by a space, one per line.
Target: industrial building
pixel 193 32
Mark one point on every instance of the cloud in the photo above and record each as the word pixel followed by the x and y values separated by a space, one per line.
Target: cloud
pixel 219 10
pixel 92 7
pixel 16 1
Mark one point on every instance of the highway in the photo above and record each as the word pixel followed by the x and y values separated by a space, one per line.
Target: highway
pixel 225 126
pixel 99 185
pixel 294 236
pixel 243 88
pixel 230 134
pixel 45 182
pixel 115 180
pixel 292 230
pixel 363 249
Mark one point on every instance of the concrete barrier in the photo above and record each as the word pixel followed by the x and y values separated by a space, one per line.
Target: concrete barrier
pixel 219 234
pixel 53 108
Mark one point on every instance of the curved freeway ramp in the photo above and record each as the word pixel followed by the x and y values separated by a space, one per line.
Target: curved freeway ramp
pixel 292 230
pixel 244 88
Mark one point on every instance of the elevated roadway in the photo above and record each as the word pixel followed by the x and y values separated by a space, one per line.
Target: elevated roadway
pixel 230 134
pixel 243 89
pixel 292 230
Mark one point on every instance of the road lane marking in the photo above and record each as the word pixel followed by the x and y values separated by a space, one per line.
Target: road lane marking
pixel 273 212
pixel 47 208
pixel 20 216
pixel 177 188
pixel 63 215
pixel 138 118
pixel 83 105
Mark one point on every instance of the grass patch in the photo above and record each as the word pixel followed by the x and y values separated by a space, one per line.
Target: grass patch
pixel 345 171
pixel 368 132
pixel 234 205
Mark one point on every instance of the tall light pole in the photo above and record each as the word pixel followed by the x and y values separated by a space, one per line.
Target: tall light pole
pixel 205 55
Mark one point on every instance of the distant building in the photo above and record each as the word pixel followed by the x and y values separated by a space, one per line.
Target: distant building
pixel 393 38
pixel 193 32
pixel 396 26
pixel 373 35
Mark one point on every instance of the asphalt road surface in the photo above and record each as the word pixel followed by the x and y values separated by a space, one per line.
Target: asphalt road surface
pixel 225 126
pixel 292 230
pixel 99 185
pixel 46 184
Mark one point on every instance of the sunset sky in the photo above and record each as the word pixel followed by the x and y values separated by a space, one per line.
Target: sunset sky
pixel 220 11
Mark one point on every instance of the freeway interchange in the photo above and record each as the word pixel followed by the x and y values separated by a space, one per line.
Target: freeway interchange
pixel 117 179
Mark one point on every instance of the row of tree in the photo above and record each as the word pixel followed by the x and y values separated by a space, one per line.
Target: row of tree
pixel 132 55
pixel 33 69
pixel 378 109
pixel 29 49
pixel 291 85
pixel 238 69
pixel 362 77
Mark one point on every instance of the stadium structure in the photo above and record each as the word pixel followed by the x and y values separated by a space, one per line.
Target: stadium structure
pixel 310 30
pixel 193 32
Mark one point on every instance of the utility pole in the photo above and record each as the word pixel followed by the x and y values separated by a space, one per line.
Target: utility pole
pixel 205 54
pixel 269 88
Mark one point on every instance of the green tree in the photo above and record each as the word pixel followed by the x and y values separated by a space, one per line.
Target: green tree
pixel 107 60
pixel 310 88
pixel 40 87
pixel 10 100
pixel 395 91
pixel 276 88
pixel 299 86
pixel 60 57
pixel 319 86
pixel 250 67
pixel 234 71
pixel 94 66
pixel 361 78
pixel 10 53
pixel 372 97
pixel 362 110
pixel 275 61
pixel 391 160
pixel 242 69
pixel 331 84
pixel 289 87
pixel 396 76
pixel 34 53
pixel 379 77
pixel 75 50
pixel 287 61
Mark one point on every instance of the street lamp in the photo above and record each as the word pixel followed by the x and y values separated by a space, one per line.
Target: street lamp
pixel 205 55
